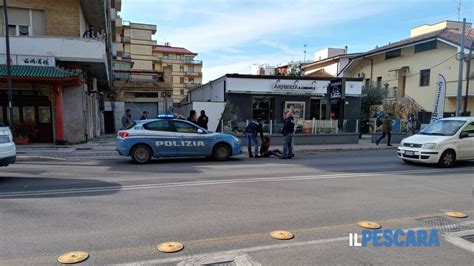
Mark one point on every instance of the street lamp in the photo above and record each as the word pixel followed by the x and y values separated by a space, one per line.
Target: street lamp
pixel 9 74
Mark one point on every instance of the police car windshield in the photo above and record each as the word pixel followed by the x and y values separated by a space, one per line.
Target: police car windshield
pixel 443 128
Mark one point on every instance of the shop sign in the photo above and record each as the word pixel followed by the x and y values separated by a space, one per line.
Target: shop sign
pixel 335 90
pixel 28 60
pixel 295 86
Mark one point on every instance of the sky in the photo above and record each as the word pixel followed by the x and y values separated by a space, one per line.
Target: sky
pixel 231 35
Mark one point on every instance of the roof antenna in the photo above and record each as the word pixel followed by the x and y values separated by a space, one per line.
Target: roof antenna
pixel 458 8
pixel 304 53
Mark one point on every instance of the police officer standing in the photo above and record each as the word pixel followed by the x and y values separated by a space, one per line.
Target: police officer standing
pixel 287 131
pixel 251 132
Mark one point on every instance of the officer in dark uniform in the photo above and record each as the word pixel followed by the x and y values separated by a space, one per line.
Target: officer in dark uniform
pixel 251 132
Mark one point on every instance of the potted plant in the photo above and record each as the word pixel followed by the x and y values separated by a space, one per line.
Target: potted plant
pixel 23 131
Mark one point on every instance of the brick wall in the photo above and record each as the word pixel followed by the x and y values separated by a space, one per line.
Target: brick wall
pixel 61 16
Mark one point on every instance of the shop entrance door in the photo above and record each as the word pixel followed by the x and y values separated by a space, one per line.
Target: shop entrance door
pixel 31 106
pixel 318 109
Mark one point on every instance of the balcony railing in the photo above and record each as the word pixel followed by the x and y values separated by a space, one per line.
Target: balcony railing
pixel 194 62
pixel 194 74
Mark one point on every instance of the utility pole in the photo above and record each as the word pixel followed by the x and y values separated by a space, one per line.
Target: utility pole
pixel 9 73
pixel 468 74
pixel 461 65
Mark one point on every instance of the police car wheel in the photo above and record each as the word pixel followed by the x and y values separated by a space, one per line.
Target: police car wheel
pixel 141 154
pixel 448 158
pixel 221 152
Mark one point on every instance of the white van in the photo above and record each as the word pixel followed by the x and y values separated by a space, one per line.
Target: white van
pixel 7 146
pixel 443 142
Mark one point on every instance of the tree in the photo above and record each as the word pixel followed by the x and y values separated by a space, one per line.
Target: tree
pixel 371 95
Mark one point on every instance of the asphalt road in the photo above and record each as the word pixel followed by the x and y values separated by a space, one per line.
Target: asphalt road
pixel 224 211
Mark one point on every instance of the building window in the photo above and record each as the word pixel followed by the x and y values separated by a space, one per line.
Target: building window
pixel 425 77
pixel 181 92
pixel 191 69
pixel 181 80
pixel 367 83
pixel 393 54
pixel 425 46
pixel 24 22
pixel 181 68
pixel 165 56
pixel 379 82
pixel 178 57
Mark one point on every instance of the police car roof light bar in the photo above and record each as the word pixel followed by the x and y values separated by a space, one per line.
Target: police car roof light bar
pixel 164 116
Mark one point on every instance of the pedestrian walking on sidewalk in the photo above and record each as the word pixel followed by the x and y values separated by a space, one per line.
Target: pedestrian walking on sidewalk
pixel 127 119
pixel 288 131
pixel 386 129
pixel 203 120
pixel 251 131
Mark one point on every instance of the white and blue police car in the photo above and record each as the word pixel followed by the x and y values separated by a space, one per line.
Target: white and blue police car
pixel 168 136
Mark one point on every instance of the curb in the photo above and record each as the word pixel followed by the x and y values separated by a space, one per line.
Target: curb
pixel 308 150
pixel 37 158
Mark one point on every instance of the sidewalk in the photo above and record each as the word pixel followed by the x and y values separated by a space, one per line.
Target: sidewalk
pixel 103 148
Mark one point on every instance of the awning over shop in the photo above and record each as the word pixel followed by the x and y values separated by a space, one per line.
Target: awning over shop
pixel 41 73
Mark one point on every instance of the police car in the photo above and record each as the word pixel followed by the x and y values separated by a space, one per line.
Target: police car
pixel 171 137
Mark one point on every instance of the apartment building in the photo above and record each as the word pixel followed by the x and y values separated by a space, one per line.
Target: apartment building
pixel 409 68
pixel 138 84
pixel 58 75
pixel 186 70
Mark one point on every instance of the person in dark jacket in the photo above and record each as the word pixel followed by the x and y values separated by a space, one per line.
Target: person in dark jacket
pixel 127 119
pixel 192 116
pixel 144 115
pixel 251 131
pixel 287 131
pixel 386 129
pixel 203 120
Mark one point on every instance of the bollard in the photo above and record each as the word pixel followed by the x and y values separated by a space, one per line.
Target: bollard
pixel 357 126
pixel 271 127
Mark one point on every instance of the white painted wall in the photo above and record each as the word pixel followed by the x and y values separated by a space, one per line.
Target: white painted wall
pixel 328 52
pixel 214 111
pixel 211 91
pixel 63 48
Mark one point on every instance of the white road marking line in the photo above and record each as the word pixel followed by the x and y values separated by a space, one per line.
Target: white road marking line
pixel 216 182
pixel 237 252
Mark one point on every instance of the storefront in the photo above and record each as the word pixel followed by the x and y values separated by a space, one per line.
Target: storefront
pixel 268 97
pixel 38 99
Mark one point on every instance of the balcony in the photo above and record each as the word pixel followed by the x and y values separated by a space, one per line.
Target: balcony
pixel 193 62
pixel 193 74
pixel 62 48
pixel 66 51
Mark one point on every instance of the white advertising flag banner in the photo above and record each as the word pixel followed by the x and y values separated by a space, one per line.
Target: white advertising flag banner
pixel 440 96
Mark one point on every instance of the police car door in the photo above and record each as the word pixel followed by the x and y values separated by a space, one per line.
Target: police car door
pixel 161 135
pixel 190 142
